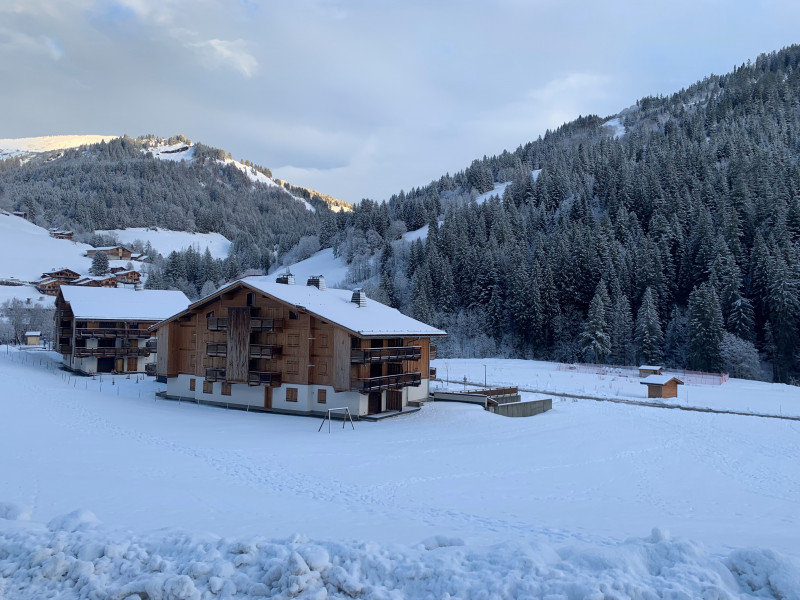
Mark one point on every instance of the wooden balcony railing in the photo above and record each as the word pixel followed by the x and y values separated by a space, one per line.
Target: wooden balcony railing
pixel 263 378
pixel 150 369
pixel 265 324
pixel 152 344
pixel 265 351
pixel 111 332
pixel 217 349
pixel 215 374
pixel 115 352
pixel 369 355
pixel 388 382
pixel 432 351
pixel 217 323
pixel 432 375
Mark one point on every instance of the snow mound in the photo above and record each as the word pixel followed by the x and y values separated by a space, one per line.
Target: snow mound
pixel 14 512
pixel 96 563
pixel 77 520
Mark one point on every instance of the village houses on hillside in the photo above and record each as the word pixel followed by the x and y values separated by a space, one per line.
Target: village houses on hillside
pixel 105 330
pixel 273 345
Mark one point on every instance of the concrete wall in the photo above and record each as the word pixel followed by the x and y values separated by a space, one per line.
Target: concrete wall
pixel 523 409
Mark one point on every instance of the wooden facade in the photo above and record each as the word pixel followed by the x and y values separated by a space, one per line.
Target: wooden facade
pixel 113 252
pixel 661 386
pixel 243 336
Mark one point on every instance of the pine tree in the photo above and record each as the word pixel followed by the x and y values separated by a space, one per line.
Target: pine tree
pixel 99 264
pixel 705 329
pixel 622 348
pixel 595 340
pixel 649 336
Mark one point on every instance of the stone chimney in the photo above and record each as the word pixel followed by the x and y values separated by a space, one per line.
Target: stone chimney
pixel 318 281
pixel 285 278
pixel 359 298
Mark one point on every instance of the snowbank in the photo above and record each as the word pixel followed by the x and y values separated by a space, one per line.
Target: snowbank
pixel 90 562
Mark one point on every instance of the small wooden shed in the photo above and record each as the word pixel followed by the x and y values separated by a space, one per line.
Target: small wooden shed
pixel 646 370
pixel 661 386
pixel 33 338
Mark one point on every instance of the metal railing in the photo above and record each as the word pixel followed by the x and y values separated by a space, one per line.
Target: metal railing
pixel 106 332
pixel 263 377
pixel 217 349
pixel 217 323
pixel 367 355
pixel 388 382
pixel 215 374
pixel 115 352
pixel 265 351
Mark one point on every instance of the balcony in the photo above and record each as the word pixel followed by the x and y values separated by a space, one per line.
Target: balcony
pixel 370 355
pixel 265 351
pixel 152 344
pixel 432 351
pixel 388 382
pixel 150 369
pixel 432 375
pixel 265 324
pixel 263 378
pixel 215 374
pixel 114 352
pixel 217 349
pixel 217 323
pixel 111 332
pixel 65 349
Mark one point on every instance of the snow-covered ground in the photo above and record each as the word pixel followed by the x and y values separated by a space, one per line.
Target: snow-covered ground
pixel 185 501
pixel 737 395
pixel 616 127
pixel 165 240
pixel 324 263
pixel 500 188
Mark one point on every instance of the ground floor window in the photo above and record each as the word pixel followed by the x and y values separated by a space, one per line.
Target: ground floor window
pixel 226 388
pixel 291 394
pixel 322 396
pixel 192 385
pixel 208 387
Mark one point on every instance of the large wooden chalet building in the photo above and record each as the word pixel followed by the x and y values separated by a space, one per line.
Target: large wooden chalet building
pixel 273 345
pixel 105 330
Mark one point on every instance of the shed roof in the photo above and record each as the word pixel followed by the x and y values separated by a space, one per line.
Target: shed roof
pixel 659 380
pixel 650 367
pixel 33 333
pixel 123 303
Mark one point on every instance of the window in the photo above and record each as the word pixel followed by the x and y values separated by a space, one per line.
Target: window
pixel 133 326
pixel 322 366
pixel 226 388
pixel 251 299
pixel 293 315
pixel 292 367
pixel 323 340
pixel 322 396
pixel 192 384
pixel 208 387
pixel 291 394
pixel 210 314
pixel 293 340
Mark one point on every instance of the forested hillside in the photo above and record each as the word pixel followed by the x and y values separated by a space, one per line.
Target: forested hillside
pixel 677 241
pixel 120 184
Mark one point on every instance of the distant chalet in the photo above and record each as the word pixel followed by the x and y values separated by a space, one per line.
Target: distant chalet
pixel 661 386
pixel 273 345
pixel 113 252
pixel 102 330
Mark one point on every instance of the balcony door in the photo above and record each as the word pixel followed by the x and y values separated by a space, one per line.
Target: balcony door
pixel 374 404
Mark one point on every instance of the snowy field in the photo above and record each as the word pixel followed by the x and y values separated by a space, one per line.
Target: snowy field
pixel 107 492
pixel 166 241
pixel 737 395
pixel 10 147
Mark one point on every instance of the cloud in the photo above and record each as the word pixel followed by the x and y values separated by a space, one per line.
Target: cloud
pixel 229 53
pixel 15 43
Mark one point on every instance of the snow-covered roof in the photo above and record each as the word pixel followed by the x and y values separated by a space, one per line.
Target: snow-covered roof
pixel 335 305
pixel 33 333
pixel 650 368
pixel 123 303
pixel 108 247
pixel 659 380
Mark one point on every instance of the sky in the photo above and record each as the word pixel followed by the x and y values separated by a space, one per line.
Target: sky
pixel 360 98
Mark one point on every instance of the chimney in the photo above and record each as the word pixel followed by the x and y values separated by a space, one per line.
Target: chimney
pixel 318 281
pixel 359 298
pixel 285 278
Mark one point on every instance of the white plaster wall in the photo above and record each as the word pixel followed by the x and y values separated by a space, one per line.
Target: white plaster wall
pixel 416 393
pixel 179 386
pixel 241 394
pixel 333 399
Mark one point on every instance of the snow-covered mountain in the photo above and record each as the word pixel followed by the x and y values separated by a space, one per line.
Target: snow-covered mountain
pixel 26 147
